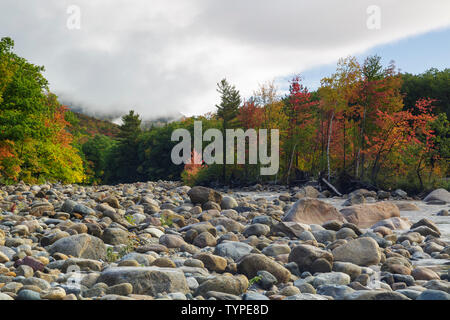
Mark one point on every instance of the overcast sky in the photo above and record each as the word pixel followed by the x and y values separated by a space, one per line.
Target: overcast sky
pixel 160 57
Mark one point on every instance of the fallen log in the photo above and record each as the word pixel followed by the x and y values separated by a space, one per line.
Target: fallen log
pixel 329 185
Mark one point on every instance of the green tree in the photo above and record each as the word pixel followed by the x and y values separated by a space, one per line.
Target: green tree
pixel 227 110
pixel 433 83
pixel 96 151
pixel 123 160
pixel 36 145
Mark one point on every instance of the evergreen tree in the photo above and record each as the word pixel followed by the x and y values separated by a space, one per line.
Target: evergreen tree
pixel 227 110
pixel 123 160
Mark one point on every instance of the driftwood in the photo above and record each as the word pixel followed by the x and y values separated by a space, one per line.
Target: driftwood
pixel 329 185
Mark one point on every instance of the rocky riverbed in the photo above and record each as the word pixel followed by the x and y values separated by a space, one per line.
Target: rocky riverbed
pixel 163 240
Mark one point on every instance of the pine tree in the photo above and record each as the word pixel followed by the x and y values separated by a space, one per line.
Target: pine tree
pixel 227 110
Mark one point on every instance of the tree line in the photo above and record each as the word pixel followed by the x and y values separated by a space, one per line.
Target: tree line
pixel 366 121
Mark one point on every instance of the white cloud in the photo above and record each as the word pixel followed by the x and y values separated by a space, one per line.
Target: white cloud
pixel 161 56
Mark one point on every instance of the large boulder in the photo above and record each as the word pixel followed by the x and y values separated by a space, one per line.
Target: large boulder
pixel 312 211
pixel 305 255
pixel 365 215
pixel 80 246
pixel 438 195
pixel 361 251
pixel 201 195
pixel 252 263
pixel 146 280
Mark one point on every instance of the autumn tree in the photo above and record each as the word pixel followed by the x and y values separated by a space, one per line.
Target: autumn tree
pixel 33 131
pixel 337 94
pixel 379 91
pixel 298 109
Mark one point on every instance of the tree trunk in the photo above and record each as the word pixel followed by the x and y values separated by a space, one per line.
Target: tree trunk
pixel 418 170
pixel 344 143
pixel 290 165
pixel 363 132
pixel 328 145
pixel 224 172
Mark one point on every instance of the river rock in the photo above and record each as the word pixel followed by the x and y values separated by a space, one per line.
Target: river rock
pixel 338 292
pixel 349 268
pixel 375 295
pixel 4 297
pixel 234 250
pixel 365 215
pixel 354 199
pixel 257 229
pixel 226 284
pixel 171 241
pixel 396 223
pixel 212 262
pixel 433 295
pixel 250 264
pixel 38 209
pixel 115 236
pixel 440 195
pixel 307 192
pixel 438 285
pixel 275 249
pixel 336 278
pixel 426 231
pixel 426 223
pixel 306 296
pixel 201 195
pixel 28 295
pixel 361 251
pixel 228 203
pixel 398 265
pixel 312 211
pixel 80 246
pixel 146 280
pixel 305 255
pixel 407 206
pixel 291 229
pixel 423 273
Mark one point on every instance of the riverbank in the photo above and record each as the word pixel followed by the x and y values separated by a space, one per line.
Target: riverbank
pixel 162 240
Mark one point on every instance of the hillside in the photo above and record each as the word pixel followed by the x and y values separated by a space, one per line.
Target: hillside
pixel 84 125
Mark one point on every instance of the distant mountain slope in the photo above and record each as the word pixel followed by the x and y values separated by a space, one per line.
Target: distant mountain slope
pixel 84 125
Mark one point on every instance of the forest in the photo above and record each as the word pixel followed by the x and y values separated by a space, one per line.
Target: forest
pixel 366 122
